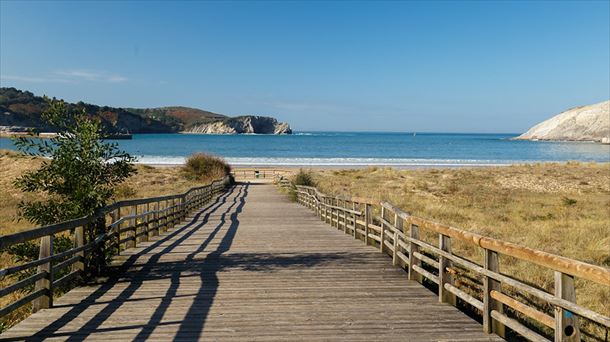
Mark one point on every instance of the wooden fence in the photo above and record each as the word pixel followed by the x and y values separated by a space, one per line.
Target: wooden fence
pixel 400 235
pixel 114 228
pixel 253 173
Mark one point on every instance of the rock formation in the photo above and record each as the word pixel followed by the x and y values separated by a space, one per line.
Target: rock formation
pixel 586 123
pixel 242 125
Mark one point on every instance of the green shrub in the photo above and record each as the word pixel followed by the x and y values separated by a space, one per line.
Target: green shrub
pixel 301 178
pixel 79 175
pixel 201 166
pixel 304 178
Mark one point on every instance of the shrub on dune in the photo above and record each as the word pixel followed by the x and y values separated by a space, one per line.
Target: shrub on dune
pixel 202 167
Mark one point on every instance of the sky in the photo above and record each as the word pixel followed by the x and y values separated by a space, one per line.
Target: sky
pixel 488 67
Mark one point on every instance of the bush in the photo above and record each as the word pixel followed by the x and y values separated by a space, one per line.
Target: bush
pixel 78 176
pixel 301 178
pixel 304 178
pixel 202 167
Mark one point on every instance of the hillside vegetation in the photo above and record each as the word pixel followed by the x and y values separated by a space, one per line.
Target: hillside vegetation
pixel 22 109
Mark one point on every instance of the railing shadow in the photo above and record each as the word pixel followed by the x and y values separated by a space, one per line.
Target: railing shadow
pixel 206 268
pixel 190 227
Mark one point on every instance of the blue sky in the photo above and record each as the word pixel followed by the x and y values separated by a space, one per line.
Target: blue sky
pixel 388 66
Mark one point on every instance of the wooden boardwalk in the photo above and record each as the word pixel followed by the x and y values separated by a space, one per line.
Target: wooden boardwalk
pixel 252 266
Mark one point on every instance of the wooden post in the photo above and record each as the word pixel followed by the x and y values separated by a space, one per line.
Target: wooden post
pixel 395 246
pixel 414 234
pixel 566 322
pixel 444 277
pixel 118 231
pixel 399 222
pixel 354 220
pixel 79 241
pixel 46 283
pixel 367 218
pixel 342 205
pixel 332 211
pixel 155 222
pixel 382 235
pixel 131 232
pixel 172 213
pixel 146 223
pixel 490 325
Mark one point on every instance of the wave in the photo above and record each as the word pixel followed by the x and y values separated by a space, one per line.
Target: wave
pixel 277 161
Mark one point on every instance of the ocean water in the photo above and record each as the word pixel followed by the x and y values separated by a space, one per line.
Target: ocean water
pixel 358 149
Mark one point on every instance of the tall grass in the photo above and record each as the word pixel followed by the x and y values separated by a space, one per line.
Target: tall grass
pixel 559 208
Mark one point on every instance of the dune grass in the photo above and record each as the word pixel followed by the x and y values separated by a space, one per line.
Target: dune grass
pixel 560 208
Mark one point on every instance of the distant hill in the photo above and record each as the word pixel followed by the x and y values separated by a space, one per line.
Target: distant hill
pixel 22 109
pixel 585 123
pixel 179 118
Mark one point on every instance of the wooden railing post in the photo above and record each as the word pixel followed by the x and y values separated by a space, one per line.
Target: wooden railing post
pixel 444 277
pixel 46 283
pixel 155 215
pixel 354 220
pixel 414 234
pixel 382 225
pixel 131 233
pixel 333 213
pixel 491 325
pixel 395 247
pixel 367 219
pixel 79 241
pixel 399 222
pixel 118 231
pixel 566 323
pixel 341 213
pixel 326 210
pixel 146 222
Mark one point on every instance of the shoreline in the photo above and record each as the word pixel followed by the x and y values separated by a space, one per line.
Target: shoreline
pixel 363 167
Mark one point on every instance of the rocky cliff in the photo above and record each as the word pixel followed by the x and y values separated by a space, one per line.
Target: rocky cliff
pixel 20 110
pixel 242 125
pixel 586 123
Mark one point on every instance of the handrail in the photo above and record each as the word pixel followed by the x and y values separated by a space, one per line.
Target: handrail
pixel 131 221
pixel 398 234
pixel 555 262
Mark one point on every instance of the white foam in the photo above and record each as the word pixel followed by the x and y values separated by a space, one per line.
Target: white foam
pixel 274 161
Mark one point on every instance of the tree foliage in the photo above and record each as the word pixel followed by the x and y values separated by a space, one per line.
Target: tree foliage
pixel 77 177
pixel 80 170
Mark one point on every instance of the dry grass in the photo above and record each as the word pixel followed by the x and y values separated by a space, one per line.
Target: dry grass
pixel 558 208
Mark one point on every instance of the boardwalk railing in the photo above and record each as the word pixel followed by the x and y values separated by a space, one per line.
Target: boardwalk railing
pixel 480 286
pixel 253 173
pixel 114 228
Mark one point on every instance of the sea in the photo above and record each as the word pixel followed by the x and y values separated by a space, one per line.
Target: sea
pixel 357 149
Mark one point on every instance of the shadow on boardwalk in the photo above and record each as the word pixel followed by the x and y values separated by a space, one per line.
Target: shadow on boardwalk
pixel 228 207
pixel 252 266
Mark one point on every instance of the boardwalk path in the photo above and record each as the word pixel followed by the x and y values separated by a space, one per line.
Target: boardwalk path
pixel 253 266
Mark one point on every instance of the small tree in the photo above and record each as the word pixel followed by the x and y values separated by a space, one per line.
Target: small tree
pixel 80 170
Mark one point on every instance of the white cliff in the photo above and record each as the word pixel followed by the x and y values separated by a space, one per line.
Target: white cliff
pixel 586 123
